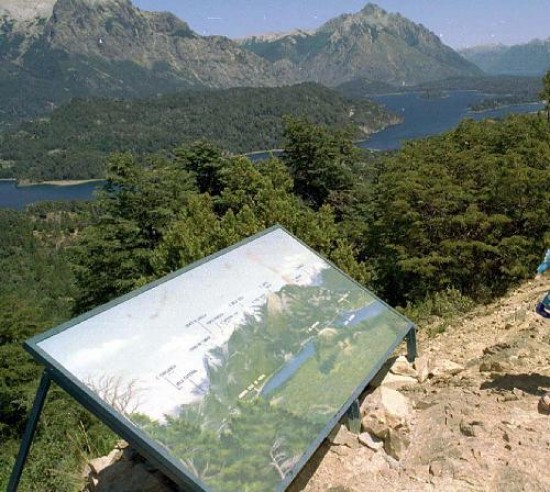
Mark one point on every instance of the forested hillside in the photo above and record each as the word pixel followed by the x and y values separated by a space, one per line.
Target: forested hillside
pixel 76 140
pixel 444 223
pixel 37 290
pixel 54 50
pixel 500 89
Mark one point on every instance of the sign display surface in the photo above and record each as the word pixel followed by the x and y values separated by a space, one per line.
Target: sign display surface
pixel 235 368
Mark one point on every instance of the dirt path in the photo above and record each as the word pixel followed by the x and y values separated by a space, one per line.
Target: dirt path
pixel 476 430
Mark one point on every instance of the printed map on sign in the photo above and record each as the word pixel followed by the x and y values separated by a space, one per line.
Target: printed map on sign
pixel 237 365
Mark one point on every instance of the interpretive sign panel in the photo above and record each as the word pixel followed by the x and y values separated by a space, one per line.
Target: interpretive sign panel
pixel 229 374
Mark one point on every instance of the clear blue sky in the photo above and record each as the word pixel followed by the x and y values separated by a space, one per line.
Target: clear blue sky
pixel 460 23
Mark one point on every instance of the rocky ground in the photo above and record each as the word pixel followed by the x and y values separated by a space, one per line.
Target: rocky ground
pixel 464 417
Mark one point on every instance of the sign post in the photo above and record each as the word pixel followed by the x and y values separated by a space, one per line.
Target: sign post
pixel 412 351
pixel 30 430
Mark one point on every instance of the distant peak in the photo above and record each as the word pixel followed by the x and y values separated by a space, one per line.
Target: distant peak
pixel 275 36
pixel 372 8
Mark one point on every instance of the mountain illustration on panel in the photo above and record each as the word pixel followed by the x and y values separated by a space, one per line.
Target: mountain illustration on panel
pixel 290 365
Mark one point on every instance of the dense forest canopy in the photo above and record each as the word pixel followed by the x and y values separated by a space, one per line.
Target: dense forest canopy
pixel 453 218
pixel 76 140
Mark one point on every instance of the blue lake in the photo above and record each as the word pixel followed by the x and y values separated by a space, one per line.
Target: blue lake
pixel 289 369
pixel 423 117
pixel 356 317
pixel 18 197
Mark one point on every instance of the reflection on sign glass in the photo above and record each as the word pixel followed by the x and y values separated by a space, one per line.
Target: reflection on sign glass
pixel 238 365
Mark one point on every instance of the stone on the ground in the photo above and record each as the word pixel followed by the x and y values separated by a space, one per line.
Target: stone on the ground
pixel 97 465
pixel 397 407
pixel 497 366
pixel 371 442
pixel 126 476
pixel 341 436
pixel 385 408
pixel 421 364
pixel 378 463
pixel 396 443
pixel 470 429
pixel 544 404
pixel 445 368
pixel 437 468
pixel 390 460
pixel 374 424
pixel 395 381
pixel 402 367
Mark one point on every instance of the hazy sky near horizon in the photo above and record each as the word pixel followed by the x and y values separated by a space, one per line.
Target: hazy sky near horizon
pixel 459 23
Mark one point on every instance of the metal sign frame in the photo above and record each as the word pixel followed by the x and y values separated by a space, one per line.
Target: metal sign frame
pixel 154 452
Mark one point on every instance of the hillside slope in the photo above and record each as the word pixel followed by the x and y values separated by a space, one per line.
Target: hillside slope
pixel 115 31
pixel 531 58
pixel 54 50
pixel 475 426
pixel 109 48
pixel 472 424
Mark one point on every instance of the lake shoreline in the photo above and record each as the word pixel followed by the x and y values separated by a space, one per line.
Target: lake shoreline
pixel 259 152
pixel 23 183
pixel 505 106
pixel 16 196
pixel 366 136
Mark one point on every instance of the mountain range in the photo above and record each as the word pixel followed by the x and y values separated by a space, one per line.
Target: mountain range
pixel 53 50
pixel 109 48
pixel 372 43
pixel 529 59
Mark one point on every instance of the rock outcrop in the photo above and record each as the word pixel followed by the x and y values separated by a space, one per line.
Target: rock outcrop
pixel 109 48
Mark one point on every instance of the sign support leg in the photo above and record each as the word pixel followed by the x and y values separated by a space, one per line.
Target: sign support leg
pixel 412 352
pixel 30 429
pixel 354 418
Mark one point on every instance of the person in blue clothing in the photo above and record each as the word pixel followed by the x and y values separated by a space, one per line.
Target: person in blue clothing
pixel 543 306
pixel 545 265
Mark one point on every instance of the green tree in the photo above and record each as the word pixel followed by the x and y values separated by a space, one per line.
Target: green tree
pixel 320 160
pixel 132 213
pixel 467 210
pixel 207 162
pixel 254 197
pixel 36 293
